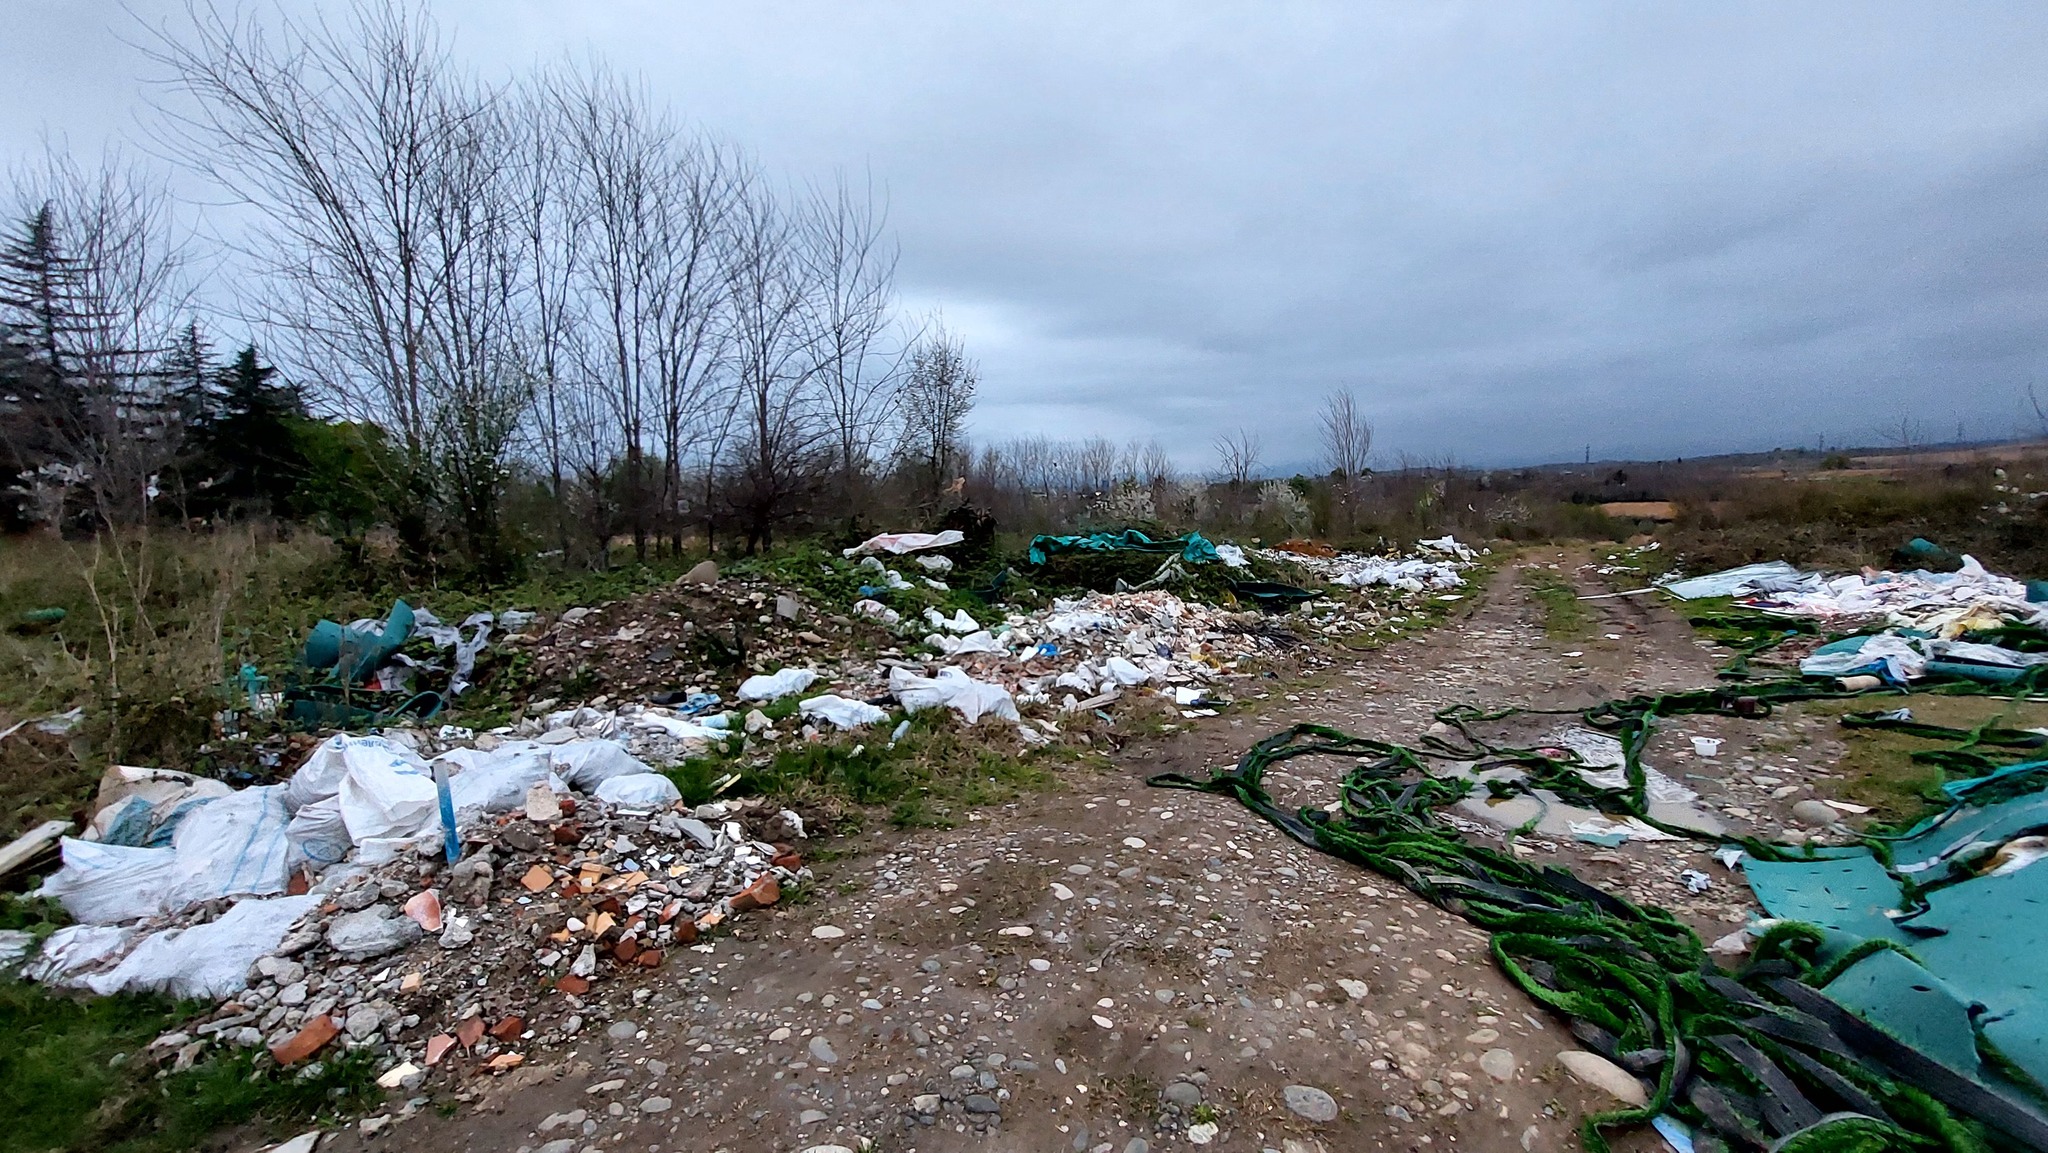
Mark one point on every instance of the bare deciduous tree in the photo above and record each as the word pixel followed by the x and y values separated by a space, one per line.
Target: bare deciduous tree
pixel 1237 454
pixel 935 399
pixel 386 228
pixel 774 364
pixel 1347 436
pixel 853 268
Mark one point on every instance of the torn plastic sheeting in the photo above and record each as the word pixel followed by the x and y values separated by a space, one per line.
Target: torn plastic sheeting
pixel 210 960
pixel 356 650
pixel 678 727
pixel 979 641
pixel 1895 658
pixel 953 689
pixel 638 791
pixel 149 817
pixel 1411 575
pixel 959 622
pixel 897 543
pixel 774 686
pixel 842 712
pixel 72 949
pixel 1767 576
pixel 451 636
pixel 1232 556
pixel 1962 944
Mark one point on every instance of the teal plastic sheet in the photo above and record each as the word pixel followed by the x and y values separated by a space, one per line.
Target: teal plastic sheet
pixel 1193 548
pixel 1963 968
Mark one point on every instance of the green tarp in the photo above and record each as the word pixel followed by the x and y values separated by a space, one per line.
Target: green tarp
pixel 1193 548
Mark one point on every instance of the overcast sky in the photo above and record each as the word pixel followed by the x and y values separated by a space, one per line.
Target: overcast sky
pixel 1515 230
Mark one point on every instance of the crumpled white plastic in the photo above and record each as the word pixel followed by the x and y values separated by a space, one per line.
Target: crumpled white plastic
pixel 953 689
pixel 842 712
pixel 773 686
pixel 903 542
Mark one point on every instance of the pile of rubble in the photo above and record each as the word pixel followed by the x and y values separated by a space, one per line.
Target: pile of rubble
pixel 550 904
pixel 342 905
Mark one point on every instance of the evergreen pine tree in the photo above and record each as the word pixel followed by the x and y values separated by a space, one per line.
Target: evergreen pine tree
pixel 249 454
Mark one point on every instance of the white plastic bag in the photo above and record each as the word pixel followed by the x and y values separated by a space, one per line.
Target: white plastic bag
pixel 321 775
pixel 317 835
pixel 638 791
pixel 235 846
pixel 953 689
pixel 776 685
pixel 210 960
pixel 494 782
pixel 387 795
pixel 584 765
pixel 841 712
pixel 107 884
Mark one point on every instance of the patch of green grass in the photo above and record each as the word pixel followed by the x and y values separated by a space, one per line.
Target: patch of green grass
pixel 938 769
pixel 1878 768
pixel 73 1076
pixel 1564 617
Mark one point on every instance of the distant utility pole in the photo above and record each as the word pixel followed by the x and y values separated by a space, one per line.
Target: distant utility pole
pixel 1589 454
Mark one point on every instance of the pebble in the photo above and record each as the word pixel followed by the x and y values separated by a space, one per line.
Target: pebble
pixel 655 1105
pixel 1040 964
pixel 821 1052
pixel 828 932
pixel 1811 812
pixel 1309 1102
pixel 811 1116
pixel 981 1103
pixel 1498 1064
pixel 1184 1094
pixel 622 1030
pixel 1597 1071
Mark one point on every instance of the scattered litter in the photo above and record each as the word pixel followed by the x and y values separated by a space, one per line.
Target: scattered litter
pixel 776 685
pixel 1706 746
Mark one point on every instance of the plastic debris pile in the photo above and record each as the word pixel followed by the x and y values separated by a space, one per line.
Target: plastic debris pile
pixel 326 908
pixel 1912 624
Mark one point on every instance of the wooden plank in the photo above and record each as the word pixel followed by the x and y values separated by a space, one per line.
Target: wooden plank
pixel 31 845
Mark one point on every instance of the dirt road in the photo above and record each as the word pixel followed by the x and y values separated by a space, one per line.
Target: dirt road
pixel 1112 968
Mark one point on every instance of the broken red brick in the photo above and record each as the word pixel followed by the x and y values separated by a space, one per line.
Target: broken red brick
pixel 625 951
pixel 610 905
pixel 573 985
pixel 470 1032
pixel 648 958
pixel 438 1046
pixel 790 861
pixel 307 1041
pixel 759 895
pixel 508 1029
pixel 686 932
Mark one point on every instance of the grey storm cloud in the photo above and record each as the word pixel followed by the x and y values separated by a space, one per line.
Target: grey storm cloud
pixel 1519 232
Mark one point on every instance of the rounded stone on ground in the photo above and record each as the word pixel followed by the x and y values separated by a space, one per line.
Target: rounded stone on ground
pixel 1309 1102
